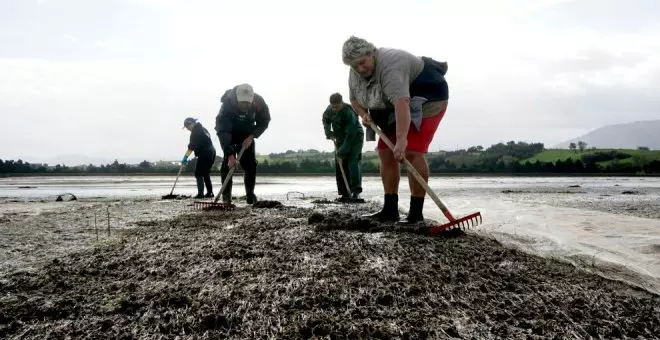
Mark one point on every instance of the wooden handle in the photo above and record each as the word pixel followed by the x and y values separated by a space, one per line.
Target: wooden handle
pixel 341 167
pixel 177 178
pixel 229 174
pixel 343 174
pixel 415 173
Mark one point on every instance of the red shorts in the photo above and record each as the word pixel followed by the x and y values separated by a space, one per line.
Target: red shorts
pixel 418 141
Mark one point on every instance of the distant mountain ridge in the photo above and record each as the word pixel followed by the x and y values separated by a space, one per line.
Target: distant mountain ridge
pixel 621 136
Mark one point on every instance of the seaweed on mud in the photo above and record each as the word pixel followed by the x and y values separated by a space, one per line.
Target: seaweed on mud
pixel 149 223
pixel 268 204
pixel 273 276
pixel 324 201
pixel 343 221
pixel 508 191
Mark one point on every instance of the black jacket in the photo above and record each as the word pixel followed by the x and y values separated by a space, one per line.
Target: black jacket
pixel 233 126
pixel 200 142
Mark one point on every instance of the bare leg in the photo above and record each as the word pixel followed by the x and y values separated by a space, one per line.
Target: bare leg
pixel 419 163
pixel 389 171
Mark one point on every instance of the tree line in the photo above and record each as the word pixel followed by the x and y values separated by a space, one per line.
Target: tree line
pixel 499 158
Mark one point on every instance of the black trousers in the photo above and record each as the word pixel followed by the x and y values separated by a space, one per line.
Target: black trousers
pixel 248 163
pixel 203 170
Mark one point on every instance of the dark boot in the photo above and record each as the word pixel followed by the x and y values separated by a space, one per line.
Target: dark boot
pixel 226 193
pixel 390 211
pixel 250 181
pixel 415 213
pixel 200 187
pixel 209 186
pixel 226 196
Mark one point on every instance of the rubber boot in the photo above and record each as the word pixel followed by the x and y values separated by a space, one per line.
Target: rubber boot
pixel 200 187
pixel 390 211
pixel 415 213
pixel 250 181
pixel 209 186
pixel 226 194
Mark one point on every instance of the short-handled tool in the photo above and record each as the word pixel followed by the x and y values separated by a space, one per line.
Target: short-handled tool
pixel 170 196
pixel 468 221
pixel 223 205
pixel 343 175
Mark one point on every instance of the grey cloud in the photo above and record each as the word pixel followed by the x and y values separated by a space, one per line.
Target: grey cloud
pixel 595 60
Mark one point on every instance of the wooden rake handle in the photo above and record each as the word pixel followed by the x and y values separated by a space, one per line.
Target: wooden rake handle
pixel 177 178
pixel 229 175
pixel 411 169
pixel 341 168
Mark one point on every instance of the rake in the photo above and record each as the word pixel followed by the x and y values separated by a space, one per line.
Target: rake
pixel 465 222
pixel 202 205
pixel 171 194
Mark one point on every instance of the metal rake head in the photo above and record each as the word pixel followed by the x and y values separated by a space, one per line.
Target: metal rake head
pixel 199 205
pixel 464 223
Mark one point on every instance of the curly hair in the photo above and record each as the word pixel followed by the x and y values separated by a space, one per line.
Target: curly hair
pixel 336 98
pixel 355 48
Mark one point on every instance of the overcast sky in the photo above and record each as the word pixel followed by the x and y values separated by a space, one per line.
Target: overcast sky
pixel 115 79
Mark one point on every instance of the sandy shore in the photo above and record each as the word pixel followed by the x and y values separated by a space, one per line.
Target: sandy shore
pixel 264 273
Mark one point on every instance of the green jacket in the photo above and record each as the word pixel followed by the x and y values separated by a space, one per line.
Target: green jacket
pixel 344 126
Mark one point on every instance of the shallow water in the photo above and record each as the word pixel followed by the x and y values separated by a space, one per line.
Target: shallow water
pixel 588 221
pixel 37 188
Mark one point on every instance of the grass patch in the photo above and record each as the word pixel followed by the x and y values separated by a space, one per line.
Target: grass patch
pixel 554 155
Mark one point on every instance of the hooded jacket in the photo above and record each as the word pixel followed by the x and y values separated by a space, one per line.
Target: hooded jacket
pixel 200 142
pixel 233 126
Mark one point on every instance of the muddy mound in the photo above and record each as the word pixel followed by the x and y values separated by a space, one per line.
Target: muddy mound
pixel 268 204
pixel 337 220
pixel 324 201
pixel 244 274
pixel 175 197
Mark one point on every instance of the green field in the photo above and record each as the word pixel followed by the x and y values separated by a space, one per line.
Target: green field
pixel 298 157
pixel 554 155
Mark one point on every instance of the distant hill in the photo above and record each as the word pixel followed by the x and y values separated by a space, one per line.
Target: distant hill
pixel 621 136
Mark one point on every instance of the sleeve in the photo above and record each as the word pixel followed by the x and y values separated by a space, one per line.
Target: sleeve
pixel 326 124
pixel 351 122
pixel 262 118
pixel 395 80
pixel 223 127
pixel 351 86
pixel 193 143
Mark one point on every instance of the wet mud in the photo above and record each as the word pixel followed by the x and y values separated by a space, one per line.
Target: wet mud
pixel 268 204
pixel 509 191
pixel 33 233
pixel 300 273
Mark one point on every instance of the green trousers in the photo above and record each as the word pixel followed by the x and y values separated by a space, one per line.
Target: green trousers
pixel 352 168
